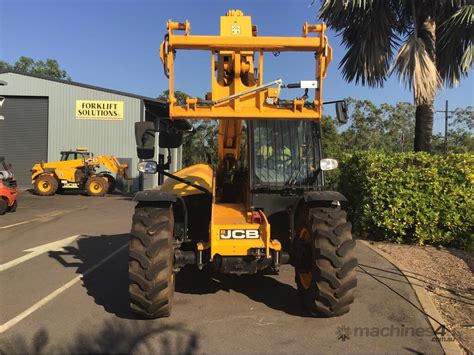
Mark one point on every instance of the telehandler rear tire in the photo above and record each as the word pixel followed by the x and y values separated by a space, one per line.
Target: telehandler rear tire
pixel 150 263
pixel 325 262
pixel 46 185
pixel 97 186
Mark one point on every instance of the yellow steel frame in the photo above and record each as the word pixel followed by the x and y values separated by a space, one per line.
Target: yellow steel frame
pixel 238 42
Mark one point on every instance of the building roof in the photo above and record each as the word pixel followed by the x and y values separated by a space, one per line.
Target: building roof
pixel 68 82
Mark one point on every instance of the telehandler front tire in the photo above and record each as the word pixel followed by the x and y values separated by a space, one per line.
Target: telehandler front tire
pixel 150 263
pixel 46 185
pixel 325 262
pixel 97 186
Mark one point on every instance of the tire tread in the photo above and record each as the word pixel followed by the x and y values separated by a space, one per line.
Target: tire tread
pixel 150 262
pixel 332 290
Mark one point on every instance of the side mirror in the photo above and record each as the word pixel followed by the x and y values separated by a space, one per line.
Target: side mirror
pixel 171 132
pixel 341 111
pixel 145 139
pixel 171 139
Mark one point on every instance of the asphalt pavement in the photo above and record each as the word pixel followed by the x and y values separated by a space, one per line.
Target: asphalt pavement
pixel 64 289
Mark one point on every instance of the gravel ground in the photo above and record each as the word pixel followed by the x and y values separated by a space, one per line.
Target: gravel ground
pixel 447 275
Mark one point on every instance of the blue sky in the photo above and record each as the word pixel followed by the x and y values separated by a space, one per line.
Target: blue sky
pixel 114 44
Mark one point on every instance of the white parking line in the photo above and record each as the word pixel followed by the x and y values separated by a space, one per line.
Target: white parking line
pixel 42 217
pixel 16 224
pixel 41 249
pixel 5 326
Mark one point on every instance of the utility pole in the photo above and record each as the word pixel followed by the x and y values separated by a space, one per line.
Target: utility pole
pixel 446 129
pixel 446 118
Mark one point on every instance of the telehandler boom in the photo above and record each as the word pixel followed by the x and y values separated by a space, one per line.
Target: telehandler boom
pixel 265 203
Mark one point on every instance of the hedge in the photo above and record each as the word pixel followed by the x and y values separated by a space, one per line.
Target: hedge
pixel 411 197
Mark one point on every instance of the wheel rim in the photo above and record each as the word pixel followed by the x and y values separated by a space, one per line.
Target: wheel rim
pixel 96 187
pixel 44 186
pixel 305 277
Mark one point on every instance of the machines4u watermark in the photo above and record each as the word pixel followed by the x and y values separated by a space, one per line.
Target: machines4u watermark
pixel 345 333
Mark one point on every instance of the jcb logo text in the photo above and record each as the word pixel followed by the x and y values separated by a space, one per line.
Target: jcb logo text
pixel 239 233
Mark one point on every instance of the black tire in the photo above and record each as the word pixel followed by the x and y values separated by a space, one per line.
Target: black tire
pixel 150 263
pixel 46 185
pixel 325 262
pixel 112 183
pixel 3 206
pixel 13 207
pixel 111 180
pixel 97 186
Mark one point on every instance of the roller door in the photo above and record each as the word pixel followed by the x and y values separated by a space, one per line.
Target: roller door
pixel 24 134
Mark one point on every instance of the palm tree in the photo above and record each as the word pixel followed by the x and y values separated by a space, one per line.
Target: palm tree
pixel 433 38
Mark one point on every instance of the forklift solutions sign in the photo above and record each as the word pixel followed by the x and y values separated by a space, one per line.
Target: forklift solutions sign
pixel 99 110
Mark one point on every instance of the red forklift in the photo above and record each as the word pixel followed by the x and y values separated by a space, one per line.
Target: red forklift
pixel 8 188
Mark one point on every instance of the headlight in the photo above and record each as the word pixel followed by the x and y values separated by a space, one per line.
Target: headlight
pixel 147 167
pixel 328 164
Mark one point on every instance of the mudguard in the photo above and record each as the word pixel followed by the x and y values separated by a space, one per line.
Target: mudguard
pixel 155 196
pixel 314 196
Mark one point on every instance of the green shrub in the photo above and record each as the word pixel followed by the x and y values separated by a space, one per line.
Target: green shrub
pixel 411 197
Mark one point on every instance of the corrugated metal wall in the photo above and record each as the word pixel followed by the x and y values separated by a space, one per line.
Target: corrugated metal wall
pixel 65 131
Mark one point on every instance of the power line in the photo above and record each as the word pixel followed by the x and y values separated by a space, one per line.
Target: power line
pixel 443 326
pixel 446 117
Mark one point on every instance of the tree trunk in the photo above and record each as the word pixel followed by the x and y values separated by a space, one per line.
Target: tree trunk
pixel 424 127
pixel 425 112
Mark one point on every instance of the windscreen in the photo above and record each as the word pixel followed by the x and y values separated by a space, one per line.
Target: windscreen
pixel 284 153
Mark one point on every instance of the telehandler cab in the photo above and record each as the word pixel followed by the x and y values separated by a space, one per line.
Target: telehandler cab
pixel 265 203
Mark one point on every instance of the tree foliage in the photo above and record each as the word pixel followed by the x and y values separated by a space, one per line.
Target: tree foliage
pixel 49 68
pixel 424 42
pixel 179 95
pixel 332 143
pixel 389 128
pixel 200 145
pixel 460 134
pixel 373 31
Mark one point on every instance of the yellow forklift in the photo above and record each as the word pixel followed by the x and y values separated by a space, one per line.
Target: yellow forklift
pixel 78 170
pixel 265 203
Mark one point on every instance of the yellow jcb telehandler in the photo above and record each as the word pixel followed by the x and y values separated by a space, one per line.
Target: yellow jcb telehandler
pixel 77 170
pixel 265 203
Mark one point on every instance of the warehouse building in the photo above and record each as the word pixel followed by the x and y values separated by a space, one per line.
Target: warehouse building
pixel 40 117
